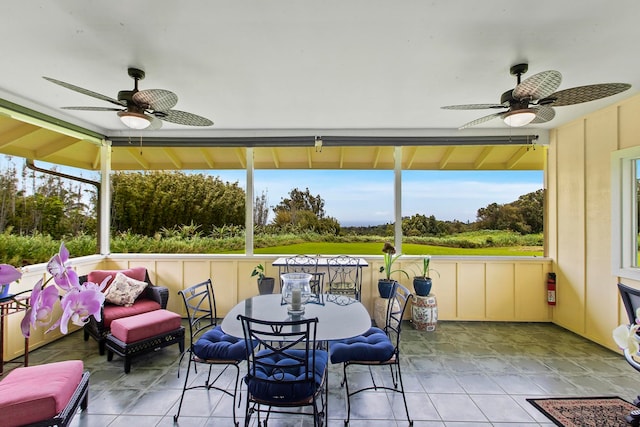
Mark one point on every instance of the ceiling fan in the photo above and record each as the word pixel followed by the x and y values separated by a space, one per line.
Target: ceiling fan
pixel 140 109
pixel 531 101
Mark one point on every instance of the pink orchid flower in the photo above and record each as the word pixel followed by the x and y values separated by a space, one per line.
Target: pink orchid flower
pixel 65 277
pixel 41 308
pixel 78 304
pixel 8 274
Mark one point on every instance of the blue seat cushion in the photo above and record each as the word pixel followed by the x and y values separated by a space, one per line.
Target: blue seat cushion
pixel 372 346
pixel 215 344
pixel 278 380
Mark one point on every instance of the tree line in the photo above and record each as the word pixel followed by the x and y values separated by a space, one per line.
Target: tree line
pixel 148 203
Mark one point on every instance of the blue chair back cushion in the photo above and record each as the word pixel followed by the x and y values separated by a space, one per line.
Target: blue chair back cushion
pixel 279 378
pixel 372 346
pixel 215 344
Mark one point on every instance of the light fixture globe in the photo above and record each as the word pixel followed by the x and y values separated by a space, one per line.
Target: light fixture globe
pixel 134 120
pixel 521 117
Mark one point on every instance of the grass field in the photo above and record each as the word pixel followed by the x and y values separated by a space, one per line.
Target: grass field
pixel 26 250
pixel 367 248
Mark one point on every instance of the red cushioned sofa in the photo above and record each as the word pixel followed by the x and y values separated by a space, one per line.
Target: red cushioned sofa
pixel 152 298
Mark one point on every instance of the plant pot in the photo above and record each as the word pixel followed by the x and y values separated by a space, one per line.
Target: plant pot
pixel 422 285
pixel 265 286
pixel 384 287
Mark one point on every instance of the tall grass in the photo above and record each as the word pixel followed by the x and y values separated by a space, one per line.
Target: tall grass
pixel 26 250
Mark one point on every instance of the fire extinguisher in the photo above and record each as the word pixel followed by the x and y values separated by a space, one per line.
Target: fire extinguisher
pixel 551 289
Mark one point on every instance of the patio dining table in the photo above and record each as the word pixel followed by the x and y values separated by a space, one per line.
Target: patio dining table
pixel 339 316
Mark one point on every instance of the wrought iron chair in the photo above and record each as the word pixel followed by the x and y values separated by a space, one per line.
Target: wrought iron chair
pixel 631 300
pixel 306 264
pixel 344 276
pixel 286 370
pixel 209 345
pixel 376 347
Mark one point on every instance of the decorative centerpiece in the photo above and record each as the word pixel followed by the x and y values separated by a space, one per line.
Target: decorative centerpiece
pixel 296 291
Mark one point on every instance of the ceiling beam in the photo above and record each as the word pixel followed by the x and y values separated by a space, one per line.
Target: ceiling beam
pixel 482 157
pixel 447 156
pixel 412 158
pixel 329 141
pixel 207 158
pixel 173 157
pixel 276 159
pixel 55 145
pixel 376 157
pixel 10 136
pixel 137 155
pixel 241 157
pixel 517 157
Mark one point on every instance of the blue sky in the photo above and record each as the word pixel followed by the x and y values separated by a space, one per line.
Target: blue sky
pixel 366 197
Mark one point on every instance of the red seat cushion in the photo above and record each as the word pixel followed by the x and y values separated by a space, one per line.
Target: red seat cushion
pixel 36 393
pixel 146 325
pixel 97 276
pixel 113 312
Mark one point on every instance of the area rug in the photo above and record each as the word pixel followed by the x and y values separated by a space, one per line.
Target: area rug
pixel 585 411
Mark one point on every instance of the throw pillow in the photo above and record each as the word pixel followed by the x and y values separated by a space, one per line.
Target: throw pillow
pixel 124 290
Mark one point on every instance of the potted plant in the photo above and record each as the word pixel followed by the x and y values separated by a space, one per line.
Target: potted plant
pixel 265 284
pixel 385 285
pixel 422 283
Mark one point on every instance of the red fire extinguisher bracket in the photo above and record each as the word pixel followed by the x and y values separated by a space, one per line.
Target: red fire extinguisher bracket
pixel 551 289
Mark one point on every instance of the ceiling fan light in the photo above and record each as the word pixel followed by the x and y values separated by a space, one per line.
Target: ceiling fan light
pixel 134 120
pixel 520 117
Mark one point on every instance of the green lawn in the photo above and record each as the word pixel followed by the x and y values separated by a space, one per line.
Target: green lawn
pixel 374 248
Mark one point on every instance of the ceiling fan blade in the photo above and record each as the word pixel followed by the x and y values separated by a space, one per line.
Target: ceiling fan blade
pixel 155 99
pixel 86 91
pixel 155 123
pixel 183 118
pixel 538 86
pixel 544 113
pixel 92 108
pixel 480 120
pixel 579 94
pixel 475 106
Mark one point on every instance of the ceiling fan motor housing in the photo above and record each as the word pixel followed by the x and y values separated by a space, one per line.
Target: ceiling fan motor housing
pixel 514 104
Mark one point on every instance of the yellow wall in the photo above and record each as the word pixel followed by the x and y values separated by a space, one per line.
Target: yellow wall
pixel 579 220
pixel 469 288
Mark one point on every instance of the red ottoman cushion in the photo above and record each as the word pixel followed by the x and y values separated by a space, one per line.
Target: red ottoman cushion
pixel 146 325
pixel 112 312
pixel 36 393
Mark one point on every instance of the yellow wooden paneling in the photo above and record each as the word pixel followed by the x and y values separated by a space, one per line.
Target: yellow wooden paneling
pixel 500 302
pixel 601 138
pixel 471 291
pixel 569 311
pixel 445 289
pixel 460 289
pixel 226 285
pixel 531 292
pixel 629 111
pixel 169 274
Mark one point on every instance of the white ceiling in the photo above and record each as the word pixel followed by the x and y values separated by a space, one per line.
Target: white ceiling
pixel 262 67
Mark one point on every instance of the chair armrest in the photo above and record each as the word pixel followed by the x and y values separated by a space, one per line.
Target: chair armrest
pixel 159 294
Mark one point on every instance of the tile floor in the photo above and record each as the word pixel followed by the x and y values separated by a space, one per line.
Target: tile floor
pixel 463 374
